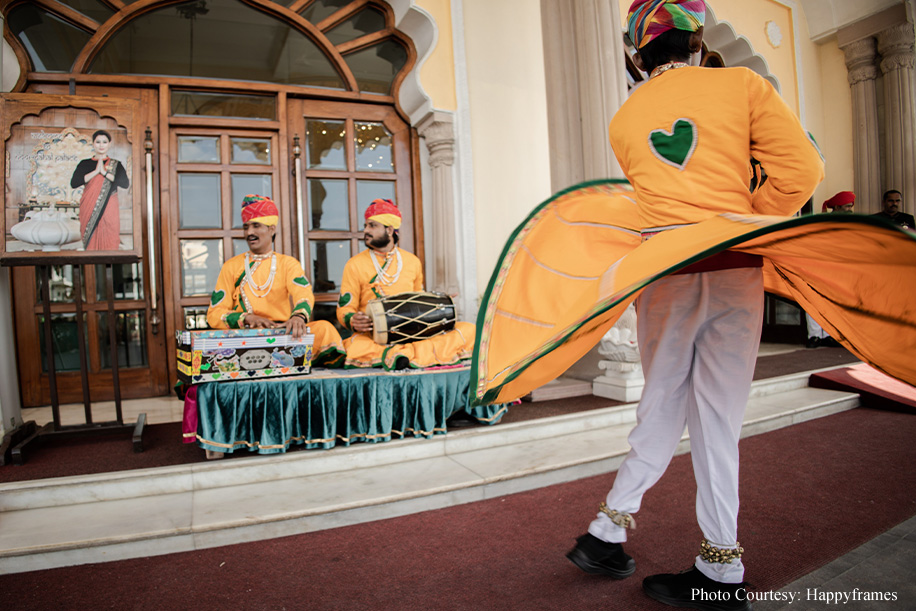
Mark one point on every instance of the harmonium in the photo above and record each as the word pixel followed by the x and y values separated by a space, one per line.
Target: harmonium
pixel 241 354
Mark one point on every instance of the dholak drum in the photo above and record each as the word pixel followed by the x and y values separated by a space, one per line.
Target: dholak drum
pixel 408 317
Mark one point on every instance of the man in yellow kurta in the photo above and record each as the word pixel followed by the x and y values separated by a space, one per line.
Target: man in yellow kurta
pixel 262 289
pixel 382 270
pixel 684 139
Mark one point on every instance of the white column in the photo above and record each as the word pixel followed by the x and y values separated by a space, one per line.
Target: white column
pixel 437 129
pixel 862 70
pixel 895 45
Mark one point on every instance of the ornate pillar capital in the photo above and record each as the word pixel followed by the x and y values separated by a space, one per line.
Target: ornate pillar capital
pixel 895 45
pixel 861 58
pixel 438 129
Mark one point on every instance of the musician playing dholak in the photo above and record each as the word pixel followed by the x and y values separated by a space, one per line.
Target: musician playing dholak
pixel 382 270
pixel 263 289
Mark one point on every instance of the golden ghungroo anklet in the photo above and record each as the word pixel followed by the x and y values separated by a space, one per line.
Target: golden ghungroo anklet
pixel 711 553
pixel 623 520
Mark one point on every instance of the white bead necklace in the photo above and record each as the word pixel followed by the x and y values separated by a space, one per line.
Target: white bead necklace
pixel 260 290
pixel 667 67
pixel 381 274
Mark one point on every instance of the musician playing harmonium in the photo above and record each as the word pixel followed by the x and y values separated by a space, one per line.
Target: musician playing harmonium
pixel 263 289
pixel 386 270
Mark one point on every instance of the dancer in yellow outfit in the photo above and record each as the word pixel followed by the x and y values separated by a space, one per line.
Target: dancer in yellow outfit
pixel 274 292
pixel 383 270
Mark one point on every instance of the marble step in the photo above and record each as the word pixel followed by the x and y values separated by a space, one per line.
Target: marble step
pixel 75 520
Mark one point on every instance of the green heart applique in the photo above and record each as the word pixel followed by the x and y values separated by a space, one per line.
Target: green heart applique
pixel 205 366
pixel 216 376
pixel 270 340
pixel 675 147
pixel 345 298
pixel 301 281
pixel 216 297
pixel 267 372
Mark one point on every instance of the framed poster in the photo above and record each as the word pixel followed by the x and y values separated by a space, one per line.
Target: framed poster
pixel 71 180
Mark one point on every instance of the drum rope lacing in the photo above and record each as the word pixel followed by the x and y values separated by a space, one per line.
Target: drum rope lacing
pixel 381 273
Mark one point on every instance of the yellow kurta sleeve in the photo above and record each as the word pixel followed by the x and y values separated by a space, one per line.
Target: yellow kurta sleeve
pixel 298 287
pixel 224 311
pixel 350 288
pixel 790 158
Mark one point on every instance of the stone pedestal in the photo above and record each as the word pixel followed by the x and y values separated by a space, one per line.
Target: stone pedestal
pixel 620 381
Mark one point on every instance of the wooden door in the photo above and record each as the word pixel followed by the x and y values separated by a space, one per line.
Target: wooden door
pixel 351 155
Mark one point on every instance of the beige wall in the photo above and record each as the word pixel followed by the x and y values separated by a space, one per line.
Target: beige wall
pixel 437 74
pixel 508 109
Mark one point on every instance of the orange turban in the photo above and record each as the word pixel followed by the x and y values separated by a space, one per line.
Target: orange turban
pixel 385 212
pixel 259 209
pixel 840 199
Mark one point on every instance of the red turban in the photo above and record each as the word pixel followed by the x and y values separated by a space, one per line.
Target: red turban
pixel 385 212
pixel 840 199
pixel 259 209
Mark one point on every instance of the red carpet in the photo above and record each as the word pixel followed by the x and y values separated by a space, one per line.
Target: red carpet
pixel 810 493
pixel 875 388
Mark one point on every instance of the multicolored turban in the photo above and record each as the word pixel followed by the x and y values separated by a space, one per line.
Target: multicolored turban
pixel 259 209
pixel 648 19
pixel 385 212
pixel 840 199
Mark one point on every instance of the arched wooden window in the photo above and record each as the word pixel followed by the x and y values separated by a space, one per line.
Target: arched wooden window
pixel 237 95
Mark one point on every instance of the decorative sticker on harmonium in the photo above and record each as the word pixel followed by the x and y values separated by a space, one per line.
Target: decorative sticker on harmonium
pixel 241 354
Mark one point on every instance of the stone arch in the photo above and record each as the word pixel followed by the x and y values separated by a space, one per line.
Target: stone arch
pixel 420 27
pixel 735 50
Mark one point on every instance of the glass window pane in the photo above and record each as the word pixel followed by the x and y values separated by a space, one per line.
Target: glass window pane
pixel 239 246
pixel 367 21
pixel 64 342
pixel 201 261
pixel 199 201
pixel 248 184
pixel 369 190
pixel 51 43
pixel 91 8
pixel 126 278
pixel 198 149
pixel 195 318
pixel 373 148
pixel 321 9
pixel 209 104
pixel 328 205
pixel 786 313
pixel 325 147
pixel 328 260
pixel 60 284
pixel 197 39
pixel 130 337
pixel 375 67
pixel 251 150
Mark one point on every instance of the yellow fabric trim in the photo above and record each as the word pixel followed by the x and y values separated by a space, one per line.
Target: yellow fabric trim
pixel 389 220
pixel 266 220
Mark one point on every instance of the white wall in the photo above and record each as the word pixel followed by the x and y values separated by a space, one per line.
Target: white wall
pixel 508 114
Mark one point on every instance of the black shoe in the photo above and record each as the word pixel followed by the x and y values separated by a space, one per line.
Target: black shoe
pixel 695 590
pixel 813 342
pixel 598 557
pixel 829 342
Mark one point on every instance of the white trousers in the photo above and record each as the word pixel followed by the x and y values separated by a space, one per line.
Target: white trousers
pixel 698 337
pixel 814 329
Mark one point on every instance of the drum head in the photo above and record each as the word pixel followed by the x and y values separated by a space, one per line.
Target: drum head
pixel 375 310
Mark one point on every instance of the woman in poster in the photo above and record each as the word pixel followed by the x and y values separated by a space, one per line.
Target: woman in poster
pixel 100 222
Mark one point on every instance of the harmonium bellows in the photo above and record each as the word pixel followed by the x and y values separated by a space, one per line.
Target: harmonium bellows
pixel 241 354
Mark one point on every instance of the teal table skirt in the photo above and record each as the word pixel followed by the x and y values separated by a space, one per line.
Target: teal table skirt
pixel 327 408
